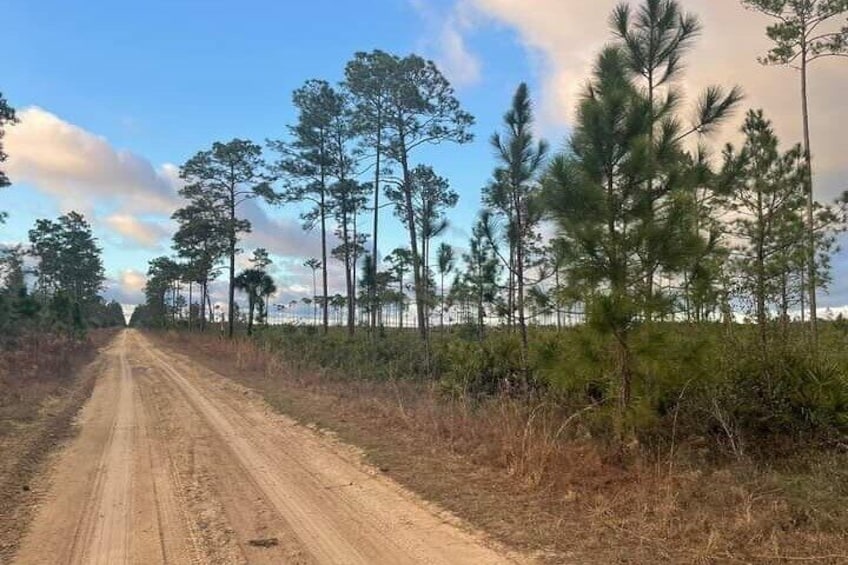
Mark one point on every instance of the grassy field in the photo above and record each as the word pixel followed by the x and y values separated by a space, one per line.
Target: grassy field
pixel 732 459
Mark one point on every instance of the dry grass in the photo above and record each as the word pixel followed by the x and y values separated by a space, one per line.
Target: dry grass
pixel 33 368
pixel 529 474
pixel 41 390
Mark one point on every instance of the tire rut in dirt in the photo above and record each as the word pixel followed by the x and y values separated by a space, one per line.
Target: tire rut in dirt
pixel 227 510
pixel 103 533
pixel 107 499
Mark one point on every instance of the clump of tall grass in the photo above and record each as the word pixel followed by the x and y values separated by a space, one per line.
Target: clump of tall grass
pixel 35 365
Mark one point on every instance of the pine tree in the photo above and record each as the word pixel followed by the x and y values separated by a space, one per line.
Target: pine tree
pixel 367 77
pixel 516 190
pixel 430 196
pixel 768 203
pixel 654 37
pixel 7 117
pixel 445 262
pixel 70 267
pixel 619 228
pixel 481 274
pixel 400 261
pixel 225 177
pixel 803 34
pixel 422 109
pixel 306 164
pixel 201 241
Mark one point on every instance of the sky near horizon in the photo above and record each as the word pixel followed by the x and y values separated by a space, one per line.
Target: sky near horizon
pixel 113 97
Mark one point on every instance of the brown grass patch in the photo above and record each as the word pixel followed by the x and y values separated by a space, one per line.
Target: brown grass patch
pixel 529 473
pixel 41 391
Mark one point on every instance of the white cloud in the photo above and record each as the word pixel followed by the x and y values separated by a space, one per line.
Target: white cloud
pixel 446 39
pixel 76 166
pixel 127 287
pixel 282 236
pixel 139 232
pixel 567 35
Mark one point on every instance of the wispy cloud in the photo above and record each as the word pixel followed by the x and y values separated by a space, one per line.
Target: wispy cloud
pixel 137 232
pixel 445 38
pixel 127 287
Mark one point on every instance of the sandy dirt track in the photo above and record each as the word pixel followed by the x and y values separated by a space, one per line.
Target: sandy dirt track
pixel 176 464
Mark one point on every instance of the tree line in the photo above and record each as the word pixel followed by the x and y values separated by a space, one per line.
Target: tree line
pixel 653 223
pixel 368 127
pixel 54 284
pixel 630 167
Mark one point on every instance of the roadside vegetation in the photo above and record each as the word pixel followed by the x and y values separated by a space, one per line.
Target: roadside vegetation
pixel 674 269
pixel 49 303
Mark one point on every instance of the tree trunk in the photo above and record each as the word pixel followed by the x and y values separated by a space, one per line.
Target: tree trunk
pixel 425 272
pixel 808 177
pixel 510 298
pixel 649 315
pixel 784 306
pixel 761 277
pixel 231 292
pixel 326 312
pixel 209 304
pixel 351 320
pixel 190 284
pixel 400 301
pixel 625 371
pixel 556 298
pixel 314 297
pixel 802 294
pixel 202 306
pixel 442 311
pixel 373 290
pixel 232 289
pixel 519 264
pixel 413 241
pixel 481 332
pixel 355 258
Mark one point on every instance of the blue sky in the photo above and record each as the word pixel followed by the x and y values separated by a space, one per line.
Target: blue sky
pixel 116 95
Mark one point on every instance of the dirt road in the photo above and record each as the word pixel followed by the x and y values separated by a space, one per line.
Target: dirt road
pixel 176 464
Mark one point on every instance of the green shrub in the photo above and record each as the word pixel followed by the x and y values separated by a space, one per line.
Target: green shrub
pixel 698 382
pixel 789 399
pixel 397 355
pixel 475 368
